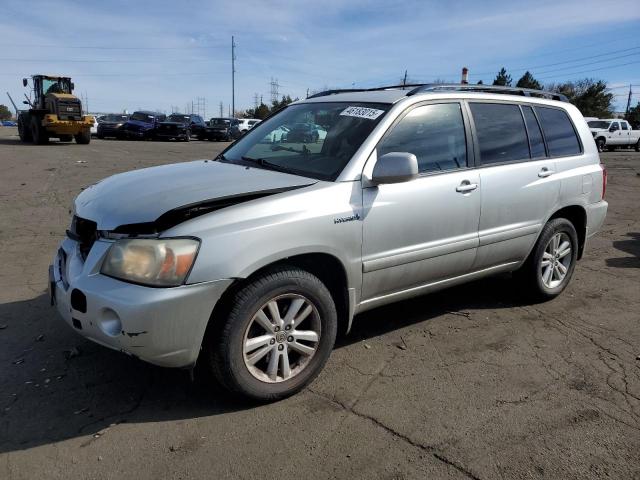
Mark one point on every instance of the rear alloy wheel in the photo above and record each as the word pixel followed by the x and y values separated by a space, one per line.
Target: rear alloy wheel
pixel 550 265
pixel 276 338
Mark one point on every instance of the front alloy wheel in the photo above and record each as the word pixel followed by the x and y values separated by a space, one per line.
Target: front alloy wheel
pixel 272 335
pixel 282 338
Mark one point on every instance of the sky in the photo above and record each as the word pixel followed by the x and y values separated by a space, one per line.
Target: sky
pixel 162 55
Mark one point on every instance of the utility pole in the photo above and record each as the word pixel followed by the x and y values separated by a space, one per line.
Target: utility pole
pixel 628 101
pixel 404 80
pixel 255 101
pixel 233 75
pixel 221 109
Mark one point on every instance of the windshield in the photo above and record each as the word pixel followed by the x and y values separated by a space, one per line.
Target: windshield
pixel 598 124
pixel 179 118
pixel 56 85
pixel 220 121
pixel 142 117
pixel 314 140
pixel 113 118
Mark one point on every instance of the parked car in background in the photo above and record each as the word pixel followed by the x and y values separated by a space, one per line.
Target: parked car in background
pixel 225 129
pixel 111 125
pixel 614 133
pixel 94 128
pixel 305 133
pixel 142 125
pixel 276 135
pixel 195 123
pixel 250 264
pixel 246 124
pixel 8 123
pixel 177 126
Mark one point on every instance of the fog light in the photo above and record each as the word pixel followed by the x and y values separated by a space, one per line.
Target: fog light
pixel 109 322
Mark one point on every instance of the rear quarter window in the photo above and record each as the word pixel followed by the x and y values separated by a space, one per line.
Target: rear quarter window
pixel 558 132
pixel 501 133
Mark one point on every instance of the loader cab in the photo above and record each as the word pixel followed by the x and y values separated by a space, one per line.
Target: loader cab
pixel 44 85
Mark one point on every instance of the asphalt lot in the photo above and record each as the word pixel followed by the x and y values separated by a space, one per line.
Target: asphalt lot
pixel 472 382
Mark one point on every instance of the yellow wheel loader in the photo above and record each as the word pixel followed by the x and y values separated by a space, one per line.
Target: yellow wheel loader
pixel 53 112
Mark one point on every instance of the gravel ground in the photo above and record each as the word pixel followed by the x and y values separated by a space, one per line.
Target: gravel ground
pixel 472 382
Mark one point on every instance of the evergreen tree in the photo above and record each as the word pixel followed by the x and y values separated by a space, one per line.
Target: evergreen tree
pixel 503 78
pixel 527 81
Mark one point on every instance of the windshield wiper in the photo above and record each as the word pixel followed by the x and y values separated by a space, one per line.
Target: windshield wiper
pixel 220 158
pixel 267 165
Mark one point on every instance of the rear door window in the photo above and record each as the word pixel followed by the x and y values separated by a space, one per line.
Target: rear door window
pixel 501 133
pixel 536 143
pixel 558 132
pixel 624 125
pixel 434 134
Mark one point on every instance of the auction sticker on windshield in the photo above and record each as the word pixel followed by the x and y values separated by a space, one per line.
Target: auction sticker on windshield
pixel 362 112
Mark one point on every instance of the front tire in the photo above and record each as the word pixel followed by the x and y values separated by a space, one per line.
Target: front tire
pixel 276 337
pixel 638 146
pixel 549 268
pixel 39 135
pixel 83 138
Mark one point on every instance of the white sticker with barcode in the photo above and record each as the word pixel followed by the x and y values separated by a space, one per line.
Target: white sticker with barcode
pixel 362 112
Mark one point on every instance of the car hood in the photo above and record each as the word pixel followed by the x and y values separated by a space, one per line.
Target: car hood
pixel 143 196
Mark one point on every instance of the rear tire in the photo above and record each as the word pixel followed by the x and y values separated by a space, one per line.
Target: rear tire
pixel 600 143
pixel 83 138
pixel 24 131
pixel 273 366
pixel 638 146
pixel 39 135
pixel 551 263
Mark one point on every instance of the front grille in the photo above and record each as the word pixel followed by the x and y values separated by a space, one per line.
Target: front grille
pixel 84 232
pixel 69 110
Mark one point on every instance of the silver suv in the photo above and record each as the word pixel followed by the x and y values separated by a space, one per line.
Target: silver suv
pixel 250 264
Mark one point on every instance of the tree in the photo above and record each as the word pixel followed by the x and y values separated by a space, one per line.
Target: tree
pixel 527 81
pixel 480 82
pixel 5 113
pixel 503 79
pixel 277 105
pixel 590 96
pixel 633 116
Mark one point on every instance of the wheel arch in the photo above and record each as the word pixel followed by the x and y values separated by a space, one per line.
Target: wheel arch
pixel 327 267
pixel 577 215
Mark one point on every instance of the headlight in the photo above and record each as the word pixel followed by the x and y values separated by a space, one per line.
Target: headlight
pixel 155 262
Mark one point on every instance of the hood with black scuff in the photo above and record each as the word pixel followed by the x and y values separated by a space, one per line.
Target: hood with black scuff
pixel 177 192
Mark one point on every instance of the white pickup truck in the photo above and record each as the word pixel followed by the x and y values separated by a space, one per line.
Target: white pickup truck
pixel 613 133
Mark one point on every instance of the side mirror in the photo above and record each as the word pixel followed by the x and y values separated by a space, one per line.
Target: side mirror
pixel 25 102
pixel 395 167
pixel 73 86
pixel 24 82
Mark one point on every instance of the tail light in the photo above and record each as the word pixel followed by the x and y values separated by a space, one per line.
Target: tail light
pixel 604 179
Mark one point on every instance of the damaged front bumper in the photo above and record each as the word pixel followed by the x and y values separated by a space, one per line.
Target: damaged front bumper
pixel 163 326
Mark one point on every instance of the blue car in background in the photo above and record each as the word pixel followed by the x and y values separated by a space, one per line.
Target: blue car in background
pixel 142 125
pixel 8 123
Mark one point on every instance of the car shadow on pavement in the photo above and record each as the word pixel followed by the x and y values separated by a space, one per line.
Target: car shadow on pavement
pixel 55 385
pixel 631 246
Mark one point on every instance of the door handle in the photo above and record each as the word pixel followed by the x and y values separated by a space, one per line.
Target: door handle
pixel 466 186
pixel 545 172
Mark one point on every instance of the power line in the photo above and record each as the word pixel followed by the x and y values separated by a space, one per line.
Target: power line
pixel 593 69
pixel 83 47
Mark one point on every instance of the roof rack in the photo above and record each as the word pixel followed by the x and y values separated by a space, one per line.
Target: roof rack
pixel 433 87
pixel 527 92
